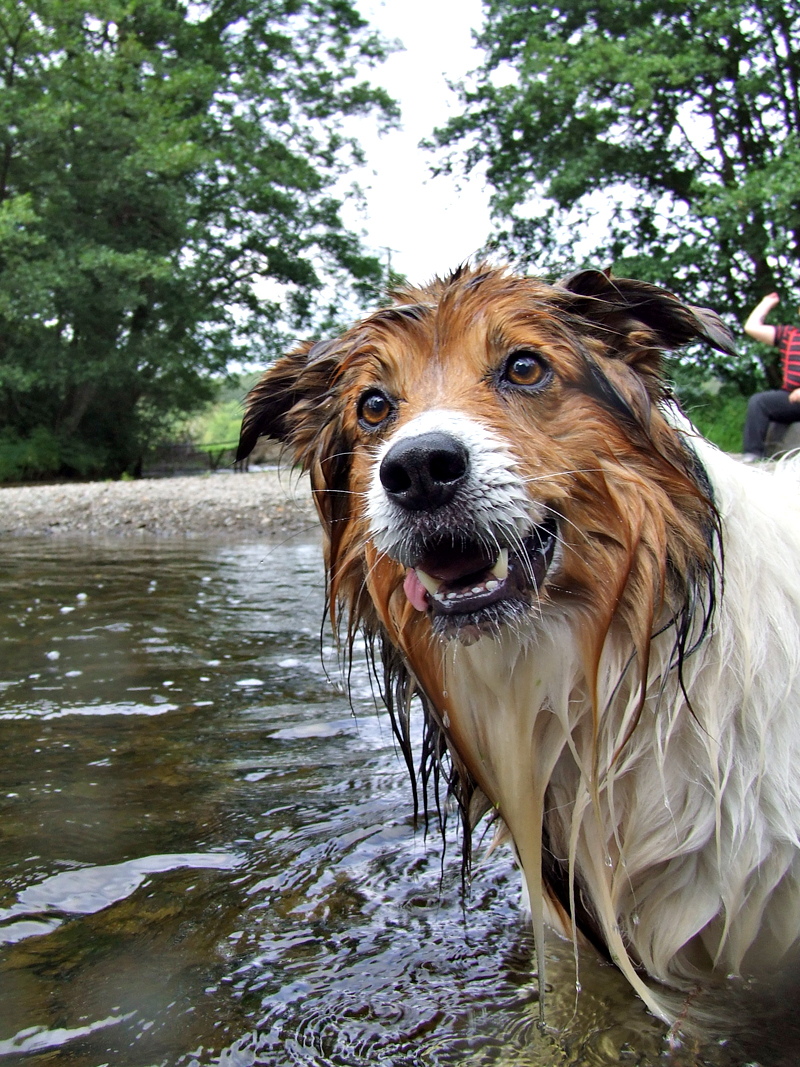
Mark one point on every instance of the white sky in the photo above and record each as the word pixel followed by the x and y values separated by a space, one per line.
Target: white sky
pixel 430 224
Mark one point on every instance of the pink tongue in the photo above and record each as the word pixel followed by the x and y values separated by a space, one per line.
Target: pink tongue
pixel 415 591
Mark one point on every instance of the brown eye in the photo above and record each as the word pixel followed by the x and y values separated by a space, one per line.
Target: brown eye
pixel 526 369
pixel 374 408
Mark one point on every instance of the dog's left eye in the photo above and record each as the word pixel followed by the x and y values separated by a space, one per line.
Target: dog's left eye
pixel 374 408
pixel 525 369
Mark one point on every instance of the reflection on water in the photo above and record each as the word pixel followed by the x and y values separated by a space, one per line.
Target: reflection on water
pixel 208 856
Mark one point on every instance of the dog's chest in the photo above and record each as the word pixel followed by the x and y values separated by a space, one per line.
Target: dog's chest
pixel 510 708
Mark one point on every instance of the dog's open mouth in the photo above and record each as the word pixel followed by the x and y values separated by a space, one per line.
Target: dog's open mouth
pixel 467 583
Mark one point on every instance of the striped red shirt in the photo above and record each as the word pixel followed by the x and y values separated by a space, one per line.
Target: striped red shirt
pixel 787 338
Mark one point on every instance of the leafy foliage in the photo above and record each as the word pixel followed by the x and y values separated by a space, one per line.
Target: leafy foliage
pixel 166 205
pixel 716 407
pixel 721 418
pixel 660 136
pixel 218 424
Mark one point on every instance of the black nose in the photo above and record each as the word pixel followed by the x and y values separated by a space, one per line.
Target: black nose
pixel 424 472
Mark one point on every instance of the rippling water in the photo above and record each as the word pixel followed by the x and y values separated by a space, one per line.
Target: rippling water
pixel 208 855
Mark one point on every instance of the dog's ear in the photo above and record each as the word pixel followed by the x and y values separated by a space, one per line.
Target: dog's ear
pixel 303 377
pixel 613 302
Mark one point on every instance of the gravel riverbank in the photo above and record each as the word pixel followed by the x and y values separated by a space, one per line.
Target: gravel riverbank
pixel 264 503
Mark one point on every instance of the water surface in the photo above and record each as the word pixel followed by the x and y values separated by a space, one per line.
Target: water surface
pixel 208 854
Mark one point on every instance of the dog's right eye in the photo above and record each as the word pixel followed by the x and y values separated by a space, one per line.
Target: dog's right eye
pixel 374 408
pixel 526 369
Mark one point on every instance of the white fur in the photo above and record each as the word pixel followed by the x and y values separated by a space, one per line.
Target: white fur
pixel 692 835
pixel 499 504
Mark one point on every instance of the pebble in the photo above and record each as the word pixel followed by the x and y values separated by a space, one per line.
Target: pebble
pixel 266 502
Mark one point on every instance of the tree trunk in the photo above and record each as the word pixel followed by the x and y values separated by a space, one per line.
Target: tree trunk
pixel 82 396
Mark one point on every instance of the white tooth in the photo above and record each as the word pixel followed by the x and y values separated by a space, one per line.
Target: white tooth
pixel 491 584
pixel 500 569
pixel 478 589
pixel 429 583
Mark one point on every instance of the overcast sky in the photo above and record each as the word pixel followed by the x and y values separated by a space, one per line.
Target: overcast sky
pixel 429 224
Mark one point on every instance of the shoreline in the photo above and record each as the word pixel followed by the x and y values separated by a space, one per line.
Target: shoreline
pixel 268 503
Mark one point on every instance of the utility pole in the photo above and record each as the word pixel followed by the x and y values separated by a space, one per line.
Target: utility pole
pixel 388 252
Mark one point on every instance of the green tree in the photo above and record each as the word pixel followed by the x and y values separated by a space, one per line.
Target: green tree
pixel 661 137
pixel 166 205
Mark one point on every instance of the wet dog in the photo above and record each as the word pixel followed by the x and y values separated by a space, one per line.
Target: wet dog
pixel 599 610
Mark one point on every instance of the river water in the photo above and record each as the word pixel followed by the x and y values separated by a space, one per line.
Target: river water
pixel 208 851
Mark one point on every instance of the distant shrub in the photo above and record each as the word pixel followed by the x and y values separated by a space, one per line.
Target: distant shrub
pixel 44 453
pixel 721 419
pixel 716 405
pixel 218 425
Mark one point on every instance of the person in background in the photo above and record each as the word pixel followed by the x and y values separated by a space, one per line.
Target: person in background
pixel 773 405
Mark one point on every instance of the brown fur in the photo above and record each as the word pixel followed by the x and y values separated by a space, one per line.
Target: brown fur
pixel 637 522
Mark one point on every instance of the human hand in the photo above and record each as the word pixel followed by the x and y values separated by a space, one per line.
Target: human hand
pixel 794 396
pixel 770 301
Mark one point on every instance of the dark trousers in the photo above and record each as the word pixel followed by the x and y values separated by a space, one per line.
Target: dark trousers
pixel 762 409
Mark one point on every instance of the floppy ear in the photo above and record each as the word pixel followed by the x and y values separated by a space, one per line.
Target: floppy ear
pixel 613 302
pixel 303 377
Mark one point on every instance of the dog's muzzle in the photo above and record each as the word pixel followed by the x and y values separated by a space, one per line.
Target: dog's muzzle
pixel 469 563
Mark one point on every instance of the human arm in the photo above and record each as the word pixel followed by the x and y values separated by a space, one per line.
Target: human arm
pixel 755 326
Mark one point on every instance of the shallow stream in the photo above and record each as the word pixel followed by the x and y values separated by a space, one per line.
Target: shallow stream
pixel 208 855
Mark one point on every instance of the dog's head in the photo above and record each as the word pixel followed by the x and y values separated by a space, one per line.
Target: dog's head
pixel 492 449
